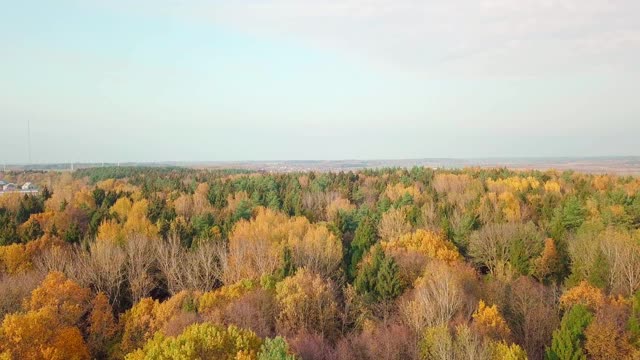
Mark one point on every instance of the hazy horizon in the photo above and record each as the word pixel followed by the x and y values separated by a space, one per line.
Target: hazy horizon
pixel 116 81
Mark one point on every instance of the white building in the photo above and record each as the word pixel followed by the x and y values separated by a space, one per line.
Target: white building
pixel 10 187
pixel 28 186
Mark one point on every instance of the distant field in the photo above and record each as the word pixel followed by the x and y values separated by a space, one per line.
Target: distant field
pixel 629 165
pixel 617 165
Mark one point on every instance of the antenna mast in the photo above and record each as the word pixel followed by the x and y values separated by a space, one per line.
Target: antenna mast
pixel 29 139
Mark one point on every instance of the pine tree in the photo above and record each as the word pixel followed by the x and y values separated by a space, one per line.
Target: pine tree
pixel 568 339
pixel 366 278
pixel 72 235
pixel 573 214
pixel 365 237
pixel 378 278
pixel 288 267
pixel 388 285
pixel 633 324
pixel 599 271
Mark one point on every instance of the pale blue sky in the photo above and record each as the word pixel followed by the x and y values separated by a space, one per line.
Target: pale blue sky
pixel 300 79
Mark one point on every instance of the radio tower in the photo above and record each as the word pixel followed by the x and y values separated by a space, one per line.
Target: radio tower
pixel 29 139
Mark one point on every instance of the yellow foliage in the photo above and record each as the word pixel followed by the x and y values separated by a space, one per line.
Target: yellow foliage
pixel 256 246
pixel 513 184
pixel 337 205
pixel 552 186
pixel 202 341
pixel 602 182
pixel 83 198
pixel 14 258
pixel 216 299
pixel 318 250
pixel 10 201
pixel 306 302
pixel 40 335
pixel 147 317
pixel 137 222
pixel 500 350
pixel 585 294
pixel 111 231
pixel 488 321
pixel 121 208
pixel 397 191
pixel 70 300
pixel 427 243
pixel 605 340
pixel 632 187
pixel 48 327
pixel 45 219
pixel 510 206
pixel 453 183
pixel 17 258
pixel 102 325
pixel 106 184
pixel 548 262
pixel 234 200
pixel 184 205
pixel 394 224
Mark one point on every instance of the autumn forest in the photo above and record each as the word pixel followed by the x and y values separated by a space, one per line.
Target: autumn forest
pixel 176 263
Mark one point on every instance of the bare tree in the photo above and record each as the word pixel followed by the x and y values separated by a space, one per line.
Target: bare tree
pixel 441 294
pixel 171 260
pixel 204 268
pixel 139 267
pixel 623 255
pixel 55 259
pixel 14 288
pixel 102 268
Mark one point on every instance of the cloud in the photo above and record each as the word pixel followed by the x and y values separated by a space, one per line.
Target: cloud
pixel 467 37
pixel 493 36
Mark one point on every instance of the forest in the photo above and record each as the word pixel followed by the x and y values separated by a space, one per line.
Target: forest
pixel 176 263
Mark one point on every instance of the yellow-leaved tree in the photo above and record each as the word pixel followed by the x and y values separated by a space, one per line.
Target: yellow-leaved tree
pixel 256 246
pixel 202 341
pixel 489 322
pixel 307 302
pixel 48 328
pixel 412 251
pixel 583 294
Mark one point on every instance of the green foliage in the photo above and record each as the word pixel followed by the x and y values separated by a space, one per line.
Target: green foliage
pixel 573 214
pixel 275 349
pixel 98 196
pixel 72 235
pixel 364 238
pixel 8 228
pixel 388 285
pixel 200 341
pixel 599 275
pixel 29 205
pixel 33 231
pixel 568 340
pixel 575 210
pixel 377 279
pixel 202 224
pixel 633 324
pixel 288 268
pixel 243 211
pixel 460 234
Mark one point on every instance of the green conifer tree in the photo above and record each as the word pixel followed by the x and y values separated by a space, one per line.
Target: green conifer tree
pixel 568 339
pixel 365 236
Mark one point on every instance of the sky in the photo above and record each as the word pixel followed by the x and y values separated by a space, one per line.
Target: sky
pixel 169 80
